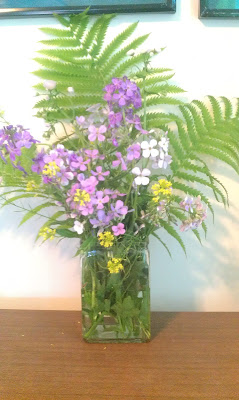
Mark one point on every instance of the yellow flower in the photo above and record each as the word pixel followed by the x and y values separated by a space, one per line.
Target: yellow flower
pixel 50 169
pixel 31 185
pixel 163 187
pixel 114 265
pixel 47 233
pixel 81 197
pixel 106 239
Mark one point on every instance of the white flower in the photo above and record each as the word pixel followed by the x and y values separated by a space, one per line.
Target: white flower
pixel 70 90
pixel 142 176
pixel 148 148
pixel 164 143
pixel 49 85
pixel 79 227
pixel 164 160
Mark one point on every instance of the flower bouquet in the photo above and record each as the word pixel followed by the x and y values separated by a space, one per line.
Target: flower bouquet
pixel 119 173
pixel 101 180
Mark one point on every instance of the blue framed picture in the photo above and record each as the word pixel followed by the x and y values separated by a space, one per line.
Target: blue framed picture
pixel 219 8
pixel 48 7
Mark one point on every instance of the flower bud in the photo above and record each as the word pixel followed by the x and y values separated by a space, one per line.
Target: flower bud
pixel 70 90
pixel 49 85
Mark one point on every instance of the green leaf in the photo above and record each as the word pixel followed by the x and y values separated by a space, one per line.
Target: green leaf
pixel 22 196
pixel 163 243
pixel 170 229
pixel 35 211
pixel 53 218
pixel 67 233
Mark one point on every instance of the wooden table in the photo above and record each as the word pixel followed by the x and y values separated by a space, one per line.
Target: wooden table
pixel 191 356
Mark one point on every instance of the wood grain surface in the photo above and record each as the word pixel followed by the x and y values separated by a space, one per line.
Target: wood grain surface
pixel 191 356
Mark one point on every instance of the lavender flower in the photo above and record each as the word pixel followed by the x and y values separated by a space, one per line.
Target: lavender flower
pixel 100 200
pixel 133 152
pixel 96 133
pixel 100 175
pixel 119 209
pixel 119 161
pixel 101 221
pixel 118 229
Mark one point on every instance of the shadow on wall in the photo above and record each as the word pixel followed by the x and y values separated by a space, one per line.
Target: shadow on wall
pixel 208 279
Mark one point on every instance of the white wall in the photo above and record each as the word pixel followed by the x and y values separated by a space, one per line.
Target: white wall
pixel 204 55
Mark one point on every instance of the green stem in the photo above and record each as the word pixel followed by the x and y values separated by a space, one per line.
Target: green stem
pixel 93 290
pixel 94 325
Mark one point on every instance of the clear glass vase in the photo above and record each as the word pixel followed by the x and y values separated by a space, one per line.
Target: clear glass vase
pixel 116 306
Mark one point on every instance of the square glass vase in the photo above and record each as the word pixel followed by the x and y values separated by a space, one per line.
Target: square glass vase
pixel 116 305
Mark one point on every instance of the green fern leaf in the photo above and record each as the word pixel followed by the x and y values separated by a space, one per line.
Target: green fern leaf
pixel 22 196
pixel 35 211
pixel 170 229
pixel 61 42
pixel 116 43
pixel 60 33
pixel 62 20
pixel 162 242
pixel 155 101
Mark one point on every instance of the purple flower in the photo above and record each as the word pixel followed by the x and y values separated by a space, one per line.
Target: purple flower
pixel 80 163
pixel 93 154
pixel 119 161
pixel 65 176
pixel 87 209
pixel 80 120
pixel 119 209
pixel 89 185
pixel 96 133
pixel 100 175
pixel 187 203
pixel 13 152
pixel 101 221
pixel 118 229
pixel 133 152
pixel 115 142
pixel 109 89
pixel 23 139
pixel 115 119
pixel 100 200
pixel 53 156
pixel 113 193
pixel 121 98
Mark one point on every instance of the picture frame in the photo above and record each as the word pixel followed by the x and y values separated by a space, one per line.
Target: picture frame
pixel 219 8
pixel 8 8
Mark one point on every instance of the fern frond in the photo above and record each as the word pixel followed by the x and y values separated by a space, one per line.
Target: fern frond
pixel 116 43
pixel 170 229
pixel 188 190
pixel 60 33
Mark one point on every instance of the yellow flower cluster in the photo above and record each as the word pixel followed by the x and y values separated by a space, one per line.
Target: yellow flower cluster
pixel 114 265
pixel 50 169
pixel 81 197
pixel 31 185
pixel 162 188
pixel 106 239
pixel 47 233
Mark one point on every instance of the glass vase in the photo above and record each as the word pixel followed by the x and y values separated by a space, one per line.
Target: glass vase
pixel 116 305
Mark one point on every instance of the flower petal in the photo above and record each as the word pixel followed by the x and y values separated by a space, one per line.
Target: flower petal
pixel 153 143
pixel 146 172
pixel 146 153
pixel 136 171
pixel 144 180
pixel 154 152
pixel 138 180
pixel 144 145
